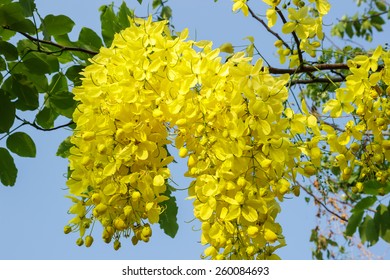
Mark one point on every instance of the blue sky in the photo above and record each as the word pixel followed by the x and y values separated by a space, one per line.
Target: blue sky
pixel 33 213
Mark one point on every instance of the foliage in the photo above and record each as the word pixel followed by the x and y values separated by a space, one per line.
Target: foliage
pixel 251 133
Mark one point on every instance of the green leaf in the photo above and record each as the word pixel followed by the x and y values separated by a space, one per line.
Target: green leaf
pixel 25 25
pixel 107 19
pixel 368 231
pixel 73 74
pixel 381 5
pixel 7 112
pixel 25 46
pixel 88 39
pixel 156 3
pixel 382 221
pixel 12 16
pixel 123 15
pixel 41 63
pixel 166 12
pixel 3 65
pixel 353 223
pixel 58 83
pixel 64 148
pixel 9 51
pixel 27 94
pixel 57 25
pixel 364 203
pixel 8 171
pixel 168 219
pixel 349 30
pixel 6 34
pixel 111 23
pixel 28 7
pixel 21 144
pixel 46 117
pixel 139 1
pixel 374 187
pixel 63 103
pixel 11 13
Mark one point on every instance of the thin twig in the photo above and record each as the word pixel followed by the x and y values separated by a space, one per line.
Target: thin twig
pixel 318 80
pixel 323 204
pixel 268 29
pixel 296 39
pixel 309 68
pixel 36 126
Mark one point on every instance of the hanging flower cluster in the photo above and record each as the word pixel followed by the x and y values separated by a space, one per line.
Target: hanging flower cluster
pixel 151 88
pixel 364 144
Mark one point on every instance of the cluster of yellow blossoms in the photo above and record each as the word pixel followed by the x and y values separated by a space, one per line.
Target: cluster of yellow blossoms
pixel 244 146
pixel 364 143
pixel 304 19
pixel 150 89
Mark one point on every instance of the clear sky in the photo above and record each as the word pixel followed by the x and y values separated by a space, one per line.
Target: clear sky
pixel 34 212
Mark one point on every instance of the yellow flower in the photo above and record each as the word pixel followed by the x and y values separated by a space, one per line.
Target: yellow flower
pixel 240 5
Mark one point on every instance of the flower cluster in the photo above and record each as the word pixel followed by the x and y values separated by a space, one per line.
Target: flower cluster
pixel 364 144
pixel 119 160
pixel 150 88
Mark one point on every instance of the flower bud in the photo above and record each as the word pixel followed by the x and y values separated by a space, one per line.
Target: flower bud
pixel 88 241
pixel 117 245
pixel 183 152
pixel 67 229
pixel 270 236
pixel 80 242
pixel 119 224
pixel 309 170
pixel 147 231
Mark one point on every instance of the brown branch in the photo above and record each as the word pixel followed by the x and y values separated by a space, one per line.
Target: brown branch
pixel 318 80
pixel 323 204
pixel 268 29
pixel 36 126
pixel 61 47
pixel 309 68
pixel 296 39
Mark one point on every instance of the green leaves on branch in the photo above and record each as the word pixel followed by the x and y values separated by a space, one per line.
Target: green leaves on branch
pixel 13 16
pixel 363 25
pixel 25 68
pixel 371 227
pixel 113 22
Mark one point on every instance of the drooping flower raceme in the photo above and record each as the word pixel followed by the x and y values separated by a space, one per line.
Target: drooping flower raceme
pixel 151 89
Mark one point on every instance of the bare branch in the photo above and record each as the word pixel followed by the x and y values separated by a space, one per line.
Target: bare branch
pixel 323 204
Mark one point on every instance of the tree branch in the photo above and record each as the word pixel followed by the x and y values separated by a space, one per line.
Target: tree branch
pixel 268 29
pixel 323 204
pixel 296 39
pixel 62 48
pixel 36 126
pixel 318 80
pixel 309 68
